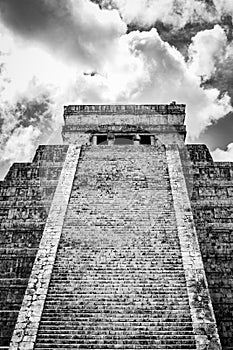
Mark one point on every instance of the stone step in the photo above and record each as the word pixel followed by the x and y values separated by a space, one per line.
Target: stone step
pixel 50 307
pixel 66 277
pixel 65 270
pixel 158 241
pixel 110 317
pixel 163 294
pixel 127 275
pixel 163 243
pixel 124 338
pixel 93 276
pixel 120 330
pixel 103 283
pixel 102 287
pixel 107 309
pixel 122 267
pixel 158 302
pixel 122 333
pixel 73 302
pixel 117 299
pixel 111 347
pixel 74 294
pixel 115 344
pixel 86 309
pixel 166 327
pixel 166 254
pixel 112 265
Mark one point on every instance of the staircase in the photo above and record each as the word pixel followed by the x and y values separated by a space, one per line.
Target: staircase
pixel 118 280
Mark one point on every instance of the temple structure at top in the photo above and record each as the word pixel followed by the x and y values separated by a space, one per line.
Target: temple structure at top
pixel 102 122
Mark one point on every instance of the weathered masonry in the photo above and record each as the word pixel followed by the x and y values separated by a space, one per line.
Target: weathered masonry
pixel 121 238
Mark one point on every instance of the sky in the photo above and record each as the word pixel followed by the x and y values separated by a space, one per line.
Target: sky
pixel 59 52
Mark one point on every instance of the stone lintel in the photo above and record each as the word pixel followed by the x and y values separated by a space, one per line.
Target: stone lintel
pixel 27 325
pixel 122 129
pixel 204 323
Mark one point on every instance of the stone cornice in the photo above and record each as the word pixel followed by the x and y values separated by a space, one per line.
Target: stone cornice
pixel 172 108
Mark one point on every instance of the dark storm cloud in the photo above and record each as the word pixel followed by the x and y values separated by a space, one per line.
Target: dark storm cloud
pixel 71 28
pixel 35 18
pixel 25 124
pixel 33 112
pixel 27 16
pixel 27 112
pixel 219 134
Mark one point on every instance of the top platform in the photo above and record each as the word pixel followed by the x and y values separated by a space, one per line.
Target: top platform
pixel 171 108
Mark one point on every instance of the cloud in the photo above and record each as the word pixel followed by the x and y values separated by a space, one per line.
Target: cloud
pixel 152 71
pixel 175 13
pixel 223 7
pixel 14 147
pixel 25 122
pixel 171 12
pixel 220 155
pixel 137 67
pixel 207 50
pixel 74 29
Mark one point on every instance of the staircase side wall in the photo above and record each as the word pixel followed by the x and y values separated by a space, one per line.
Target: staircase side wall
pixel 204 322
pixel 28 320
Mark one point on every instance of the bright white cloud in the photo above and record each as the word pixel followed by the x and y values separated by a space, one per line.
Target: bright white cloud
pixel 15 147
pixel 220 155
pixel 224 7
pixel 207 50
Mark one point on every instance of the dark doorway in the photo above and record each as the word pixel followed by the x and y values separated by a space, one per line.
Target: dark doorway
pixel 123 140
pixel 102 140
pixel 145 140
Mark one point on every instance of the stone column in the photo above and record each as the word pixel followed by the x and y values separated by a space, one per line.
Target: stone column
pixel 204 323
pixel 152 140
pixel 94 140
pixel 110 138
pixel 136 139
pixel 28 321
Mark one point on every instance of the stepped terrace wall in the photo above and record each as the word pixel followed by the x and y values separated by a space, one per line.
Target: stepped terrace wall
pixel 212 204
pixel 25 198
